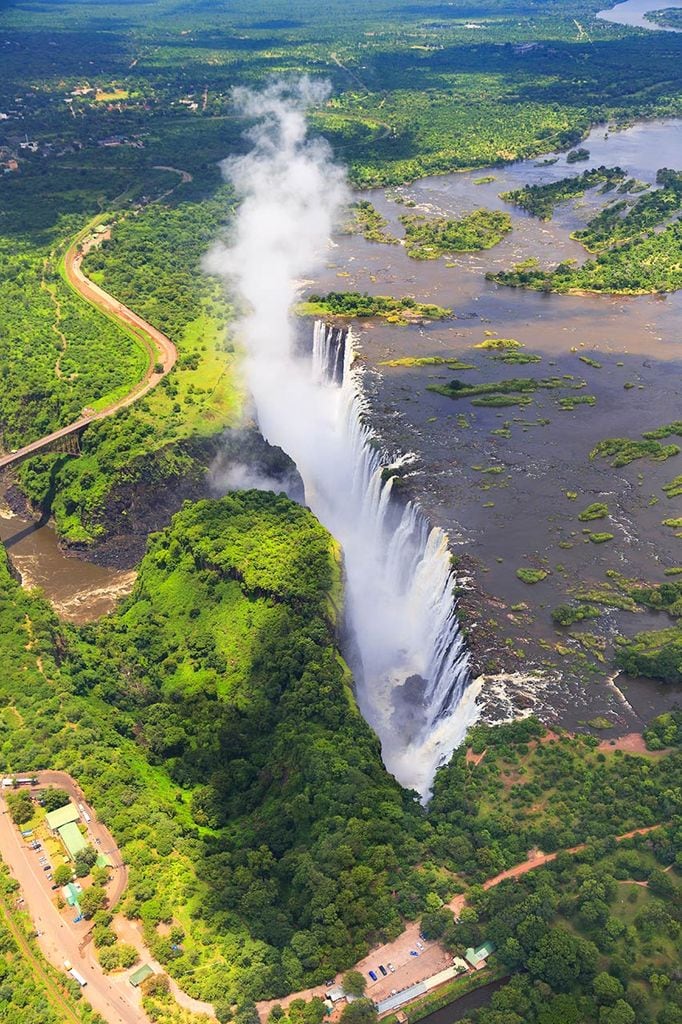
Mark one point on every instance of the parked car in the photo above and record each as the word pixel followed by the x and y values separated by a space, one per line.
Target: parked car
pixel 47 867
pixel 373 976
pixel 383 970
pixel 391 968
pixel 420 945
pixel 49 877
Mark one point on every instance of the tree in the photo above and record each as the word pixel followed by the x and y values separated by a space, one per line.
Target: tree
pixel 127 955
pixel 607 989
pixel 560 959
pixel 620 1013
pixel 361 1011
pixel 62 874
pixel 156 985
pixel 91 900
pixel 53 799
pixel 20 807
pixel 354 983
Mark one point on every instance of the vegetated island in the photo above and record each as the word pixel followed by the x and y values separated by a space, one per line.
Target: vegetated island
pixel 668 17
pixel 638 245
pixel 403 310
pixel 364 219
pixel 499 394
pixel 428 239
pixel 541 200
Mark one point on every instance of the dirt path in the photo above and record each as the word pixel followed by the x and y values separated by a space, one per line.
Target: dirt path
pixel 161 351
pixel 431 956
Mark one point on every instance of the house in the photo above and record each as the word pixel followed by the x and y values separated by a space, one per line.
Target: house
pixel 478 957
pixel 335 993
pixel 71 892
pixel 460 965
pixel 72 838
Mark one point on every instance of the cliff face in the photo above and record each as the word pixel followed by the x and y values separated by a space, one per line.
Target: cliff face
pixel 160 485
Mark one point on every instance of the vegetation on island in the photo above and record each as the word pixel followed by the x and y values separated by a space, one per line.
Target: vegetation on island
pixel 361 305
pixel 428 239
pixel 542 200
pixel 364 219
pixel 638 245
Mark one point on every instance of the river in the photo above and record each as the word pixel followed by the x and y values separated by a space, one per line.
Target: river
pixel 79 591
pixel 517 514
pixel 497 523
pixel 633 13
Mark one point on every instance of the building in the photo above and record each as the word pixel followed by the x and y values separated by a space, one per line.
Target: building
pixel 62 823
pixel 400 998
pixel 71 892
pixel 478 957
pixel 72 838
pixel 140 975
pixel 62 816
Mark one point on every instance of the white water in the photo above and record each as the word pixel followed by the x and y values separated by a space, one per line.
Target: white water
pixel 399 583
pixel 399 602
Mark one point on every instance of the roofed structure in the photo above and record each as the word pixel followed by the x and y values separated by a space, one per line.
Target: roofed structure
pixel 62 816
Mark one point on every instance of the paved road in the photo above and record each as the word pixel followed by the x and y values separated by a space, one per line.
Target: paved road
pixel 161 350
pixel 62 939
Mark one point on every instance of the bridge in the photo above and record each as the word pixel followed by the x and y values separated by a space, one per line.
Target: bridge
pixel 161 352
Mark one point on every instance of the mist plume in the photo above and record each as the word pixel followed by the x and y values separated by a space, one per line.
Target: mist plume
pixel 407 653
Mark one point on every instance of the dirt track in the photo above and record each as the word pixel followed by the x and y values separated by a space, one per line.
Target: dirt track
pixel 160 349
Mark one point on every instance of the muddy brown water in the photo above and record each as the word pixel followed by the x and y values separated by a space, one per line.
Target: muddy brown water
pixel 519 515
pixel 79 591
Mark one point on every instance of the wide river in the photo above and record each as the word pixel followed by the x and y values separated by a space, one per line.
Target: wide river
pixel 633 13
pixel 627 349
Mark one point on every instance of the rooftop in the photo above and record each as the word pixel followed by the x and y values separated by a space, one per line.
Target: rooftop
pixel 72 838
pixel 62 816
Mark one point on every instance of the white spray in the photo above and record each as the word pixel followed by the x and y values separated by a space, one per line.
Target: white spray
pixel 398 578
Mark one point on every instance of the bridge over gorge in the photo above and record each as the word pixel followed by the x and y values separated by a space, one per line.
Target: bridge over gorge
pixel 161 351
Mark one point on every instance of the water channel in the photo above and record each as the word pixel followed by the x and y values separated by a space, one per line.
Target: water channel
pixel 633 14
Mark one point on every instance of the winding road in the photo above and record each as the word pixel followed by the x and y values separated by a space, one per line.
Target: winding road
pixel 160 349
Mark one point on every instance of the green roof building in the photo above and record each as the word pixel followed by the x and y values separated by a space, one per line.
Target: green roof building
pixel 62 816
pixel 72 838
pixel 71 892
pixel 478 957
pixel 138 976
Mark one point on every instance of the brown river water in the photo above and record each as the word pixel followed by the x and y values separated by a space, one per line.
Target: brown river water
pixel 79 591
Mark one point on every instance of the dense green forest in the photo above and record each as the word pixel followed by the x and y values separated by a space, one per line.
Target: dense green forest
pixel 212 723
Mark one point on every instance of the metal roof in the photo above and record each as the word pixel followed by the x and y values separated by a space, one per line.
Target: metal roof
pixel 393 1002
pixel 62 816
pixel 72 838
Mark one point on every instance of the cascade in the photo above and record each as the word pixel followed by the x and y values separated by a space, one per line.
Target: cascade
pixel 411 666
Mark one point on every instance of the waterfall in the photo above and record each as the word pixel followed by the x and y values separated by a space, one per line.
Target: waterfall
pixel 411 667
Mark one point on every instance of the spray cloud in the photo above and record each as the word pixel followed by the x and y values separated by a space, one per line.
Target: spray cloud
pixel 409 663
